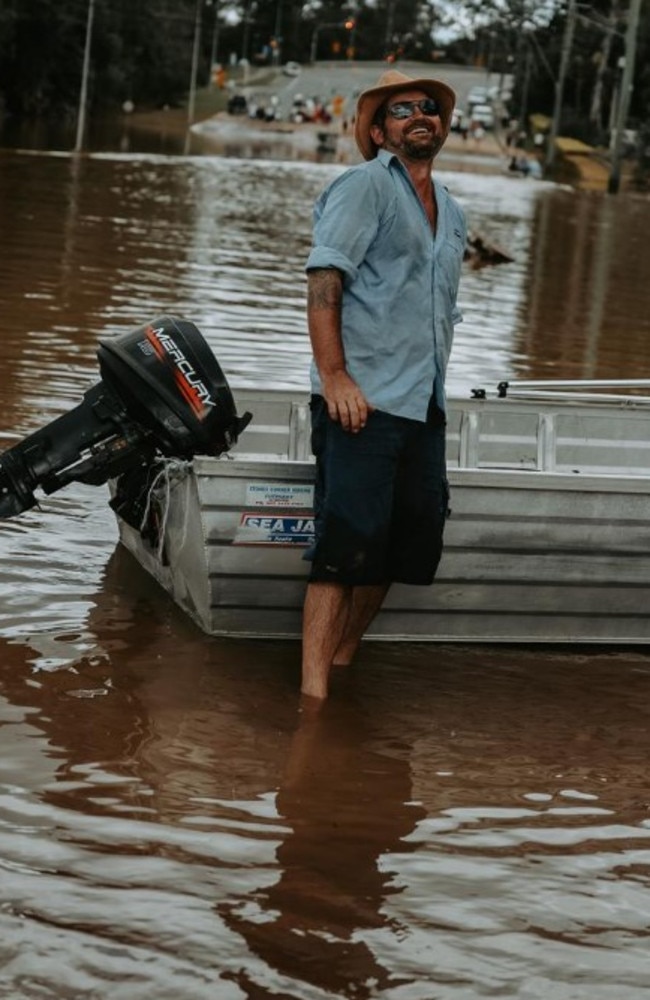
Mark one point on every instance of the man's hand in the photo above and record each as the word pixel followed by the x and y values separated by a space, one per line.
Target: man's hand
pixel 345 401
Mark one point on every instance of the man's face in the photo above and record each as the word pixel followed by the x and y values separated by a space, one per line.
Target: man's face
pixel 420 136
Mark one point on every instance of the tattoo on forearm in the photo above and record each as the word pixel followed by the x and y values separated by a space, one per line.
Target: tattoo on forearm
pixel 324 289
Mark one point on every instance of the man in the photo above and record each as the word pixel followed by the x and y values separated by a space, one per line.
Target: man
pixel 383 278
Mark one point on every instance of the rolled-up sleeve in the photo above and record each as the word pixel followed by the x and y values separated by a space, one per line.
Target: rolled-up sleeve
pixel 330 257
pixel 345 224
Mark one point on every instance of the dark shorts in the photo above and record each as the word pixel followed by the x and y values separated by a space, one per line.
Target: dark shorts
pixel 381 499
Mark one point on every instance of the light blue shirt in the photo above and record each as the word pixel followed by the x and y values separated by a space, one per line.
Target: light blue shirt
pixel 400 283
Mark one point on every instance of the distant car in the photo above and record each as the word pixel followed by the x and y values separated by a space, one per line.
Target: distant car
pixel 237 105
pixel 482 114
pixel 477 95
pixel 499 95
pixel 630 141
pixel 291 69
pixel 458 117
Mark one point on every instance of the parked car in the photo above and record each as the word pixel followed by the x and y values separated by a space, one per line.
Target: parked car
pixel 458 119
pixel 477 95
pixel 629 141
pixel 237 105
pixel 482 114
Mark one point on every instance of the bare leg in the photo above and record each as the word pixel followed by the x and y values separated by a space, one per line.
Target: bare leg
pixel 325 615
pixel 335 618
pixel 366 602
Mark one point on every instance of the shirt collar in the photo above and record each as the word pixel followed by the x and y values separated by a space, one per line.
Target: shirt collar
pixel 385 157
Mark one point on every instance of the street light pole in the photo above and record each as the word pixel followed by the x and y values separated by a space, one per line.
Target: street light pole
pixel 351 26
pixel 195 62
pixel 567 42
pixel 278 34
pixel 626 92
pixel 83 95
pixel 313 49
pixel 215 36
pixel 348 25
pixel 247 31
pixel 390 20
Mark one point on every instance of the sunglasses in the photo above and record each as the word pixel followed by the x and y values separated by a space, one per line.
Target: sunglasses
pixel 404 109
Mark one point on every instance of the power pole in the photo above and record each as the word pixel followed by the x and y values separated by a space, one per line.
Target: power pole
pixel 390 20
pixel 83 95
pixel 277 52
pixel 195 62
pixel 567 42
pixel 215 36
pixel 626 92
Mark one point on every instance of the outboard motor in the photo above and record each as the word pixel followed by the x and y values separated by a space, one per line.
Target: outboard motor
pixel 162 391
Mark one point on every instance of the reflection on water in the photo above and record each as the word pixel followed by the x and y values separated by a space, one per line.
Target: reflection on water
pixel 588 309
pixel 458 822
pixel 99 244
pixel 176 826
pixel 345 803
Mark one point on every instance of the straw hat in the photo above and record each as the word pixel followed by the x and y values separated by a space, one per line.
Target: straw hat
pixel 393 82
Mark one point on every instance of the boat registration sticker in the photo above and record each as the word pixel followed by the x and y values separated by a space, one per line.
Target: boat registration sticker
pixel 280 495
pixel 254 529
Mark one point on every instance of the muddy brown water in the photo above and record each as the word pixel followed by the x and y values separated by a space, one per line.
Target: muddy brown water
pixel 460 821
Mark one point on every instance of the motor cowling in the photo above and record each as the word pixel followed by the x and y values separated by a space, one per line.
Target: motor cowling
pixel 162 391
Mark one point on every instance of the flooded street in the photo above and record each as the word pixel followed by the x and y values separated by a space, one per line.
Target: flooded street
pixel 459 822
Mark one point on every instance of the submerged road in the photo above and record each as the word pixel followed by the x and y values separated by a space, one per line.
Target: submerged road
pixel 347 78
pixel 325 81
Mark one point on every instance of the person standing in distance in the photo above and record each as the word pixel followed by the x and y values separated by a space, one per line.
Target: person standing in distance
pixel 382 284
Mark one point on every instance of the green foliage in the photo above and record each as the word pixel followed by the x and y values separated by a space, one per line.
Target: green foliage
pixel 142 49
pixel 526 38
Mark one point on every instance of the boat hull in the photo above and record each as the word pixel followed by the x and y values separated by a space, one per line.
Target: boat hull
pixel 548 539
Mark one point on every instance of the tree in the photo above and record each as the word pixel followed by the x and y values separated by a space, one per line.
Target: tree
pixel 140 49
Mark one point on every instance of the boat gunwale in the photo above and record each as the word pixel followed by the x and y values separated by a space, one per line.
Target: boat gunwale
pixel 241 466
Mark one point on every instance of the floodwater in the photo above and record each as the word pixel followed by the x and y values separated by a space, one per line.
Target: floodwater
pixel 458 822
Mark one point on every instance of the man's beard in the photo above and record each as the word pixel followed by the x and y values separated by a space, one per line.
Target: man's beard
pixel 422 150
